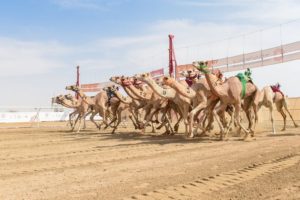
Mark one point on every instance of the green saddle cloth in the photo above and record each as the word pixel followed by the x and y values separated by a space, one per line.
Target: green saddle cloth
pixel 244 81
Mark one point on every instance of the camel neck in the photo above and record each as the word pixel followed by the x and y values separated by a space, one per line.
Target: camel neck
pixel 162 92
pixel 185 91
pixel 69 104
pixel 140 93
pixel 85 98
pixel 126 100
pixel 211 84
pixel 130 93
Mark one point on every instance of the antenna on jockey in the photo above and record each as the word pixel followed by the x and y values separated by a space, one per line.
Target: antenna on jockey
pixel 172 59
pixel 77 79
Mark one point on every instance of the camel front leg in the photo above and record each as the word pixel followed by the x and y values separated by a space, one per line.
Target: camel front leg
pixel 119 117
pixel 237 117
pixel 201 117
pixel 272 119
pixel 191 117
pixel 135 124
pixel 148 119
pixel 74 125
pixel 230 123
pixel 79 125
pixel 215 112
pixel 93 121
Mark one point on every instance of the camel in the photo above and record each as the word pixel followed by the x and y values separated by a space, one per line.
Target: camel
pixel 182 102
pixel 198 93
pixel 231 92
pixel 267 97
pixel 91 109
pixel 99 103
pixel 135 103
pixel 147 100
pixel 80 107
pixel 125 103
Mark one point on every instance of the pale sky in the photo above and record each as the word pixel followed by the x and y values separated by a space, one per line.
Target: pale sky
pixel 42 42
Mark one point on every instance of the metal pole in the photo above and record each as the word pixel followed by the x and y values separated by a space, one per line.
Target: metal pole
pixel 77 80
pixel 172 59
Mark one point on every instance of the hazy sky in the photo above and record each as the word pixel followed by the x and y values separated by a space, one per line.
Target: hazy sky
pixel 41 42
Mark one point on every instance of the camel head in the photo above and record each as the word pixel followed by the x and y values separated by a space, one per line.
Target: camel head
pixel 184 73
pixel 113 88
pixel 58 99
pixel 190 73
pixel 201 66
pixel 125 81
pixel 116 79
pixel 143 76
pixel 167 80
pixel 69 96
pixel 73 88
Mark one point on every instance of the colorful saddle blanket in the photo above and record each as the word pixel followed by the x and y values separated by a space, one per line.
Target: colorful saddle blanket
pixel 110 95
pixel 244 78
pixel 276 88
pixel 189 80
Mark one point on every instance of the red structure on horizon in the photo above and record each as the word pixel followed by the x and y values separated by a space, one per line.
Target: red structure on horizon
pixel 172 59
pixel 77 80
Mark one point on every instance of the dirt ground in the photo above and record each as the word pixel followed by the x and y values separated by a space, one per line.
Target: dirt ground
pixel 51 162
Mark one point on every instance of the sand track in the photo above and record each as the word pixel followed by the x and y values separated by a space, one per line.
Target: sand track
pixel 53 163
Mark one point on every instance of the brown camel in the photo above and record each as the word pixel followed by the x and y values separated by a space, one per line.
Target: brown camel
pixel 267 97
pixel 230 93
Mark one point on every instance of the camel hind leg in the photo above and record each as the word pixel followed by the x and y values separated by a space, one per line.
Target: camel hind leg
pixel 287 110
pixel 279 106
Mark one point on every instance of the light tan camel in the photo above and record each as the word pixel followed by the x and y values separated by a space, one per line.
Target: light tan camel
pixel 157 105
pixel 72 115
pixel 230 93
pixel 117 110
pixel 151 104
pixel 83 104
pixel 182 102
pixel 81 108
pixel 99 103
pixel 135 103
pixel 198 93
pixel 266 97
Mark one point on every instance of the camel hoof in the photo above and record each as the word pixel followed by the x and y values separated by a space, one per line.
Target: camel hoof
pixel 283 129
pixel 296 125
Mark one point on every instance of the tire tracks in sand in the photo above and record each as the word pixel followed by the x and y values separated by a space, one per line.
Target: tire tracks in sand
pixel 202 187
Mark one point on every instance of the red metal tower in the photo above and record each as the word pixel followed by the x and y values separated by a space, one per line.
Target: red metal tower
pixel 172 59
pixel 77 80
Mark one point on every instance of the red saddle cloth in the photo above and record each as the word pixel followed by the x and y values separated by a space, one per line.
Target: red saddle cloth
pixel 189 80
pixel 276 88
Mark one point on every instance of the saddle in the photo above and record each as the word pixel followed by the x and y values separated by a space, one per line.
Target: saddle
pixel 189 80
pixel 244 78
pixel 276 88
pixel 110 95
